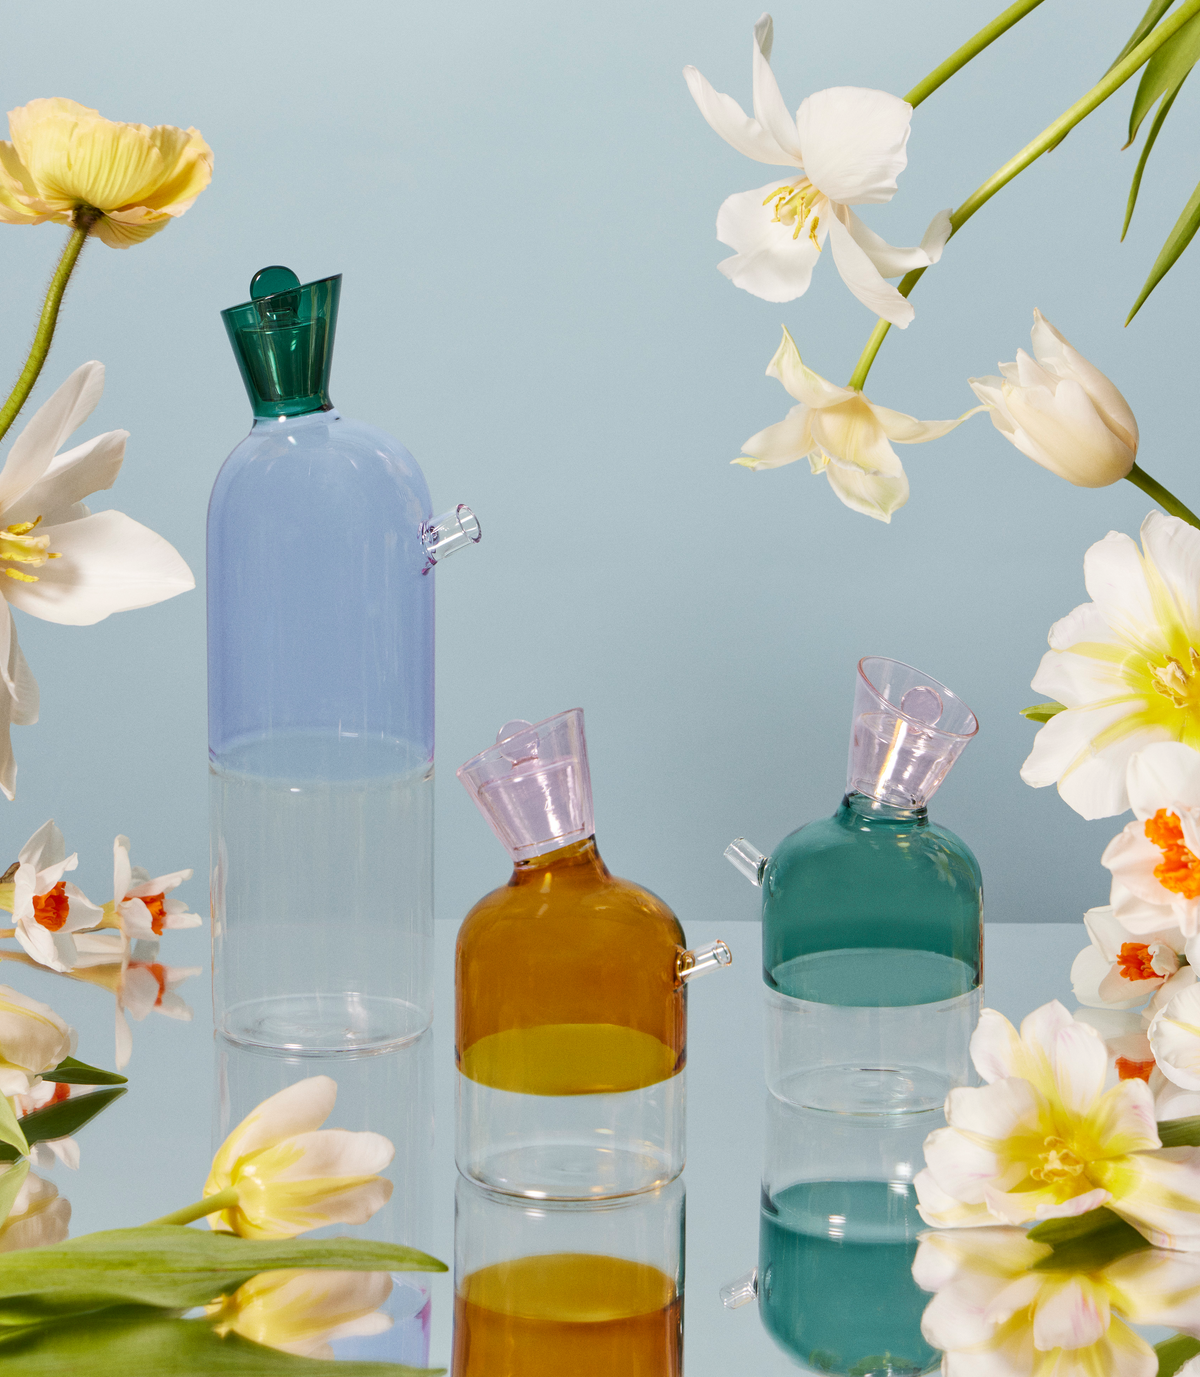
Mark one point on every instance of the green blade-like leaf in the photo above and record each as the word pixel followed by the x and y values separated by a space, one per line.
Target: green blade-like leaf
pixel 11 1181
pixel 1166 71
pixel 1180 1132
pixel 1148 20
pixel 1056 1231
pixel 125 1341
pixel 1043 712
pixel 1173 1353
pixel 1087 1252
pixel 13 1143
pixel 1178 240
pixel 1135 185
pixel 72 1072
pixel 62 1119
pixel 173 1266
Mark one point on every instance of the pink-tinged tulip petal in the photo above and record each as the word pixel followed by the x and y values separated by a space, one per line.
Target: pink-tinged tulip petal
pixel 942 1210
pixel 996 1049
pixel 1071 1315
pixel 1158 1193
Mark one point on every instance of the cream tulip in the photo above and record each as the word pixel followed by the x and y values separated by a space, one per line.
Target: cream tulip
pixel 301 1311
pixel 1061 411
pixel 33 1040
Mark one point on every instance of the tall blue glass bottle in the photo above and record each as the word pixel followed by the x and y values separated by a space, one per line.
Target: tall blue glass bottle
pixel 320 677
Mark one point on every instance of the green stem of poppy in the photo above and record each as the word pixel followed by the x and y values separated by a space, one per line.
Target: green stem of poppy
pixel 211 1204
pixel 971 48
pixel 84 219
pixel 1116 77
pixel 1163 496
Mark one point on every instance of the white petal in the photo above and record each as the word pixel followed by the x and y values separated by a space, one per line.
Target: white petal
pixel 1088 972
pixel 1175 1037
pixel 872 494
pixel 1055 354
pixel 1173 547
pixel 996 1050
pixel 1073 1314
pixel 1067 430
pixel 729 120
pixel 771 262
pixel 854 141
pixel 299 1108
pixel 1116 583
pixel 109 564
pixel 803 384
pixel 782 443
pixel 895 262
pixel 1132 858
pixel 907 430
pixel 769 110
pixel 72 476
pixel 50 425
pixel 1090 781
pixel 862 277
pixel 333 1152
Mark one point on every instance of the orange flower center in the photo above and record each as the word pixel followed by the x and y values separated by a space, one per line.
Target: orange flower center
pixel 1179 869
pixel 158 911
pixel 1129 1070
pixel 50 909
pixel 1134 961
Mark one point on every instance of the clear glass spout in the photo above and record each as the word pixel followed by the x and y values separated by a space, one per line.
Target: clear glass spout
pixel 690 964
pixel 444 535
pixel 740 1292
pixel 745 857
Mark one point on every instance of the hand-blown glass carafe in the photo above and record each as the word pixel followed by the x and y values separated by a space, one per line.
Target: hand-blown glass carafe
pixel 320 701
pixel 570 999
pixel 873 918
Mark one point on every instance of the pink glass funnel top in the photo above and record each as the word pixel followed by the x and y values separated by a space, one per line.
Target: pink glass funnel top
pixel 908 730
pixel 533 785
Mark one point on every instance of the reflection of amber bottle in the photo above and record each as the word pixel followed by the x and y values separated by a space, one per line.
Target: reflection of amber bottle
pixel 570 1001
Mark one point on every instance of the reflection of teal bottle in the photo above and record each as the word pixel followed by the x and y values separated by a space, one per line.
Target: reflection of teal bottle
pixel 873 918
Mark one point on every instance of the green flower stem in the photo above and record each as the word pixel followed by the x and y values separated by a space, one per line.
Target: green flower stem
pixel 1116 77
pixel 211 1204
pixel 973 46
pixel 1163 496
pixel 83 222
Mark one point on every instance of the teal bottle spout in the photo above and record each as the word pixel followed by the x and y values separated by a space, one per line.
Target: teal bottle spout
pixel 283 341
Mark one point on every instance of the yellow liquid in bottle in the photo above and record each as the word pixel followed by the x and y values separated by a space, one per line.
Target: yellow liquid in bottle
pixel 567 1315
pixel 569 1059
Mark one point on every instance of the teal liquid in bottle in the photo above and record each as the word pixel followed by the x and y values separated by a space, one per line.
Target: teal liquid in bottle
pixel 873 918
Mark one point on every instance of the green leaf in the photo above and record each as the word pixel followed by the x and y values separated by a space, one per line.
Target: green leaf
pixel 173 1266
pixel 1043 712
pixel 13 1143
pixel 1173 1353
pixel 1056 1231
pixel 1178 240
pixel 11 1181
pixel 1180 1132
pixel 62 1119
pixel 1165 72
pixel 72 1072
pixel 118 1342
pixel 1135 185
pixel 1085 1242
pixel 1148 20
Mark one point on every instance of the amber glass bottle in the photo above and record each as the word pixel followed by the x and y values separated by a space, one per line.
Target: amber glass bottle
pixel 570 998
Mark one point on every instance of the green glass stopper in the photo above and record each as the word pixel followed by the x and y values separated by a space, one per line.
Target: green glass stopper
pixel 283 341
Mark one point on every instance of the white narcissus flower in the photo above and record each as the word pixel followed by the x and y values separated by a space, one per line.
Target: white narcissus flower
pixel 87 566
pixel 301 1311
pixel 992 1314
pixel 1126 666
pixel 290 1174
pixel 39 1215
pixel 844 147
pixel 33 1040
pixel 47 909
pixel 140 903
pixel 1129 1053
pixel 842 435
pixel 1044 1139
pixel 1118 972
pixel 1062 411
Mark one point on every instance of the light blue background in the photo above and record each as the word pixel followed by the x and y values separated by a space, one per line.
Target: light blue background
pixel 522 200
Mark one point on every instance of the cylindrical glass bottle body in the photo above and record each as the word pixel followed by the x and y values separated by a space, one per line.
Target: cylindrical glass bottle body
pixel 873 961
pixel 555 1288
pixel 837 1238
pixel 320 643
pixel 570 1033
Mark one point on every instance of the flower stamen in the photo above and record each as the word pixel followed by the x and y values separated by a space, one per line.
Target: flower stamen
pixel 794 202
pixel 1058 1162
pixel 17 546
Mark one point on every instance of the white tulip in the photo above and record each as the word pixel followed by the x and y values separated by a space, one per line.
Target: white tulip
pixel 1061 411
pixel 844 147
pixel 33 1039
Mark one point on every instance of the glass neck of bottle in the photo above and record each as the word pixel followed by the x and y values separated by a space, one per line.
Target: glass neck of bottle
pixel 581 856
pixel 872 810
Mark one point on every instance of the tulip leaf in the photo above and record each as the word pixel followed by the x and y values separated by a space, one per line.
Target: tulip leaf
pixel 1088 1249
pixel 11 1181
pixel 127 1339
pixel 1148 20
pixel 62 1119
pixel 1174 1352
pixel 1136 184
pixel 1178 240
pixel 1043 712
pixel 173 1266
pixel 1180 1132
pixel 1165 72
pixel 13 1143
pixel 1056 1231
pixel 72 1072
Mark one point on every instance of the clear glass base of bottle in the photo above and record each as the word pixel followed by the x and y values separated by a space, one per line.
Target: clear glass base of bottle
pixel 571 1147
pixel 315 1025
pixel 825 1051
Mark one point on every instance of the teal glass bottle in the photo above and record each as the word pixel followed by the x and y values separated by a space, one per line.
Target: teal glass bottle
pixel 873 918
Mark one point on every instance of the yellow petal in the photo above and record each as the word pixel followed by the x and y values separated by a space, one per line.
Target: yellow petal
pixel 187 169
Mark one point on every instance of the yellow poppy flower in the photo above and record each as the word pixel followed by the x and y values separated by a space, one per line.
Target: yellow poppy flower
pixel 65 158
